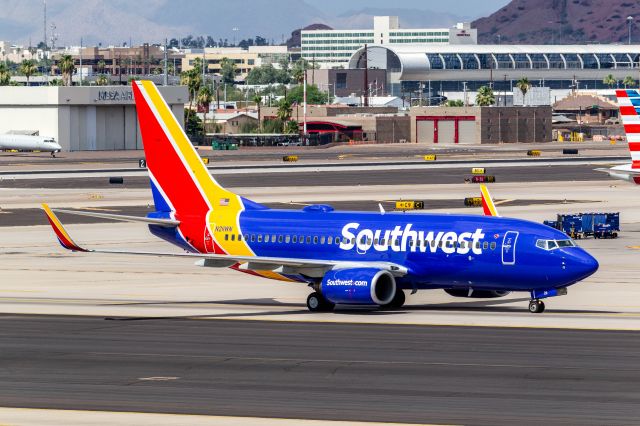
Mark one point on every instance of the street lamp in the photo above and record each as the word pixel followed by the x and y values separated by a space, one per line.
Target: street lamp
pixel 629 23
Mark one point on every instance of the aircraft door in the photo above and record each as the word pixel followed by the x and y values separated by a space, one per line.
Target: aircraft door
pixel 509 248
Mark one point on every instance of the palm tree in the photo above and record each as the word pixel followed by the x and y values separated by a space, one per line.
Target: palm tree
pixel 298 70
pixel 284 111
pixel 610 81
pixel 485 96
pixel 101 66
pixel 67 66
pixel 28 68
pixel 193 80
pixel 629 82
pixel 204 99
pixel 5 75
pixel 257 98
pixel 102 80
pixel 524 86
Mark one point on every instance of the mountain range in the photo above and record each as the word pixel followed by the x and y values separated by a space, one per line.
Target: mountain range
pixel 117 21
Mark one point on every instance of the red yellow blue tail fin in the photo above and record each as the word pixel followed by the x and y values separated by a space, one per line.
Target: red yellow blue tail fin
pixel 629 104
pixel 488 205
pixel 205 209
pixel 61 233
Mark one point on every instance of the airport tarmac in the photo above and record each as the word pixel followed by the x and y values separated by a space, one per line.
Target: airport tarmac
pixel 573 364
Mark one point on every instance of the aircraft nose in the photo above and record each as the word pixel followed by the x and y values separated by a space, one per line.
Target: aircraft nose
pixel 583 264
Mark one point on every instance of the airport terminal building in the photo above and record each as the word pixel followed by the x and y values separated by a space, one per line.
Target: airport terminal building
pixel 99 118
pixel 467 67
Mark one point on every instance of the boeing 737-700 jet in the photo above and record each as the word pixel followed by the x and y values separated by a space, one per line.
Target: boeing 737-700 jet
pixel 359 258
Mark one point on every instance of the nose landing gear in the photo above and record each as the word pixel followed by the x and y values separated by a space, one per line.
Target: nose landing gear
pixel 536 306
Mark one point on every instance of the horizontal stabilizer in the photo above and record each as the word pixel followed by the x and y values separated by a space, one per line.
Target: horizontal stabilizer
pixel 167 223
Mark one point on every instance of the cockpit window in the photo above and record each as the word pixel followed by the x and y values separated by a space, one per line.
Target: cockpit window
pixel 554 244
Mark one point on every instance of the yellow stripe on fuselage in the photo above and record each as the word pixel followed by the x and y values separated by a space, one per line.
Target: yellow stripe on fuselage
pixel 226 206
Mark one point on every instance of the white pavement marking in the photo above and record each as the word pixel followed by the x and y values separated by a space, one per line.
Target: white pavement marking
pixel 39 417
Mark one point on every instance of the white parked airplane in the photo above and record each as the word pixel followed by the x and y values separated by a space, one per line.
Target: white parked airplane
pixel 30 143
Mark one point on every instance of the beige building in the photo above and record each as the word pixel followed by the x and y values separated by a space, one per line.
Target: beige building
pixel 81 118
pixel 244 59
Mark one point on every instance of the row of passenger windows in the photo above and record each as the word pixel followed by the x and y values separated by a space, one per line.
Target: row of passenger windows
pixel 301 239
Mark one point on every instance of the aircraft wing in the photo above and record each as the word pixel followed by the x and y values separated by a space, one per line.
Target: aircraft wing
pixel 311 267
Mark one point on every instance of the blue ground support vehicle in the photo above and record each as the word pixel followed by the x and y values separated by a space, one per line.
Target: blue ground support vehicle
pixel 582 225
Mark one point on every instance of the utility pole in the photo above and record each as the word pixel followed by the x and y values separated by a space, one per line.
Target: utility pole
pixel 304 111
pixel 629 23
pixel 166 66
pixel 366 76
pixel 80 61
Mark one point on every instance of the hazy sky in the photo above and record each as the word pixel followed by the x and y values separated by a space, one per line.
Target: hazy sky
pixel 471 8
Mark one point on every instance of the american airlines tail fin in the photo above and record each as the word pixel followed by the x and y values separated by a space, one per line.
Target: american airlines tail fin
pixel 629 104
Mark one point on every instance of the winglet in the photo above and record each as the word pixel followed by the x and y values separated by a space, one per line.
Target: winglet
pixel 487 203
pixel 61 233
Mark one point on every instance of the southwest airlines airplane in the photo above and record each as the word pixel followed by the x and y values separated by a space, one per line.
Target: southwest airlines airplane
pixel 30 143
pixel 629 104
pixel 356 258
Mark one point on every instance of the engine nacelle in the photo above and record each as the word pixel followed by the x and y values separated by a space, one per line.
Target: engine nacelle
pixel 476 294
pixel 359 286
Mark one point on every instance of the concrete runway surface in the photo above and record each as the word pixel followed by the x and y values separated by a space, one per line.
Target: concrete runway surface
pixel 382 373
pixel 574 364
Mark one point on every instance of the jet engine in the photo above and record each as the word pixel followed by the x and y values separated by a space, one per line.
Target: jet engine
pixel 359 286
pixel 476 294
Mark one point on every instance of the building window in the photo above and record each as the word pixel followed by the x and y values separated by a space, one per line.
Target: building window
pixel 341 80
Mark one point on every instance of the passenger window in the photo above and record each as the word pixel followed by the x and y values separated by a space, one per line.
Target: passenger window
pixel 322 240
pixel 287 239
pixel 308 240
pixel 233 237
pixel 485 245
pixel 226 237
pixel 478 244
pixel 353 241
pixel 253 238
pixel 260 238
pixel 330 240
pixel 295 238
pixel 315 240
pixel 239 237
pixel 280 238
pixel 493 246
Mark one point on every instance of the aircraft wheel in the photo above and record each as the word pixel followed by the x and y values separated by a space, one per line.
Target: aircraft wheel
pixel 536 306
pixel 397 302
pixel 317 303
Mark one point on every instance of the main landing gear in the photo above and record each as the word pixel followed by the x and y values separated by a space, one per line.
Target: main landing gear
pixel 536 306
pixel 316 302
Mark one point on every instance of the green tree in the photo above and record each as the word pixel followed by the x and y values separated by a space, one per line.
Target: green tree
pixel 66 66
pixel 192 124
pixel 292 127
pixel 228 71
pixel 257 99
pixel 101 66
pixel 610 81
pixel 454 103
pixel 298 69
pixel 5 75
pixel 314 95
pixel 28 68
pixel 193 80
pixel 485 96
pixel 204 99
pixel 524 86
pixel 102 80
pixel 629 82
pixel 284 110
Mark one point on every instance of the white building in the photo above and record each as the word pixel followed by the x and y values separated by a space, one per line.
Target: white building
pixel 81 118
pixel 331 48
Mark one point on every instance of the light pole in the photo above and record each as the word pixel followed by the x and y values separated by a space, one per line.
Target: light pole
pixel 235 31
pixel 629 23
